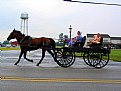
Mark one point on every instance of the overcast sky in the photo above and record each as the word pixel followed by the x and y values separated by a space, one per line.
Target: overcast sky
pixel 49 18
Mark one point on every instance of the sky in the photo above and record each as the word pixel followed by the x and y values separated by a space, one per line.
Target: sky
pixel 49 18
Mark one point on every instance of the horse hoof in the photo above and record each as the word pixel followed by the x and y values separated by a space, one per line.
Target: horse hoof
pixel 31 61
pixel 37 65
pixel 15 63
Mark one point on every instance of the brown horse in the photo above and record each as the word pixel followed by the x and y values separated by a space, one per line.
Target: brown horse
pixel 28 44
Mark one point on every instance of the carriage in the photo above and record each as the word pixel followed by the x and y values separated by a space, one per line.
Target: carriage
pixel 96 56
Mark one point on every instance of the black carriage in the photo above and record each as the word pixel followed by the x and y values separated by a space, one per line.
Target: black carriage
pixel 96 56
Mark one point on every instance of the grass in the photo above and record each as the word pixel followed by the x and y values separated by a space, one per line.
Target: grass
pixel 114 56
pixel 7 49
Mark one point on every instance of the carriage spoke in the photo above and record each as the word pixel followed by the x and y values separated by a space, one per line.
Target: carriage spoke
pixel 94 59
pixel 85 57
pixel 65 58
pixel 104 60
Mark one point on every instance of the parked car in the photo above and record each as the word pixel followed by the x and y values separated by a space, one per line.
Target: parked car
pixel 8 45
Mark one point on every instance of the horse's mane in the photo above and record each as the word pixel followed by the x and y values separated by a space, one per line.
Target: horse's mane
pixel 20 33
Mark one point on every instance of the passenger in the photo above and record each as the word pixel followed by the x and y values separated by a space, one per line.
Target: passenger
pixel 96 39
pixel 79 37
pixel 71 43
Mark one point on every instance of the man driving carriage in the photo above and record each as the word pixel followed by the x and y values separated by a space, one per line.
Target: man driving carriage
pixel 75 41
pixel 78 38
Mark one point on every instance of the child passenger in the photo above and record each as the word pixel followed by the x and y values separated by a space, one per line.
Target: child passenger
pixel 71 43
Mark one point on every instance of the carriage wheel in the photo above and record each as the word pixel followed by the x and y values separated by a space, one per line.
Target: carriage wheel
pixel 104 60
pixel 65 57
pixel 94 59
pixel 85 58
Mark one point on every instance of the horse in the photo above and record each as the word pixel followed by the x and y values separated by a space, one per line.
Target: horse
pixel 28 43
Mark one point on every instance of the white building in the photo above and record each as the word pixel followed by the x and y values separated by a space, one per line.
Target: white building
pixel 116 42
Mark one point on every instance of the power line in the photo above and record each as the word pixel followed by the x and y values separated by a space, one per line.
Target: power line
pixel 93 3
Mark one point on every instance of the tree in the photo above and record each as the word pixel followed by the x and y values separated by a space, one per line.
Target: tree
pixel 66 36
pixel 61 38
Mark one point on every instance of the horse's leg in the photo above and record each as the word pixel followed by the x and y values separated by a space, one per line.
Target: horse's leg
pixel 26 57
pixel 19 58
pixel 43 55
pixel 53 54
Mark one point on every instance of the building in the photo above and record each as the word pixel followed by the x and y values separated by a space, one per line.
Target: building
pixel 116 42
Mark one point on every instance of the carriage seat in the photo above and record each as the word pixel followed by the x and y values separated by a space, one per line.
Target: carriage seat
pixel 99 44
pixel 80 44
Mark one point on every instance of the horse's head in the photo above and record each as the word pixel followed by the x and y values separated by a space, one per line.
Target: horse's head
pixel 14 34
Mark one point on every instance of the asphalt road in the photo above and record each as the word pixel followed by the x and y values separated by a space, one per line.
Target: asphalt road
pixel 50 77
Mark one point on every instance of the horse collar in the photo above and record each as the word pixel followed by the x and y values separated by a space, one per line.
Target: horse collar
pixel 22 39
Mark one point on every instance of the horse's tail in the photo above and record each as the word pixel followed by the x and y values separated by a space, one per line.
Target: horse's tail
pixel 52 44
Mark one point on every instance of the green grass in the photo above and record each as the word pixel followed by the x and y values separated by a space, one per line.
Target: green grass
pixel 115 55
pixel 7 49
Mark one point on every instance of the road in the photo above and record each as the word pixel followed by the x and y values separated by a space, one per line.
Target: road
pixel 50 77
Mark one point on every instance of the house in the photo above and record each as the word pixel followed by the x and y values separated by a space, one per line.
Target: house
pixel 116 42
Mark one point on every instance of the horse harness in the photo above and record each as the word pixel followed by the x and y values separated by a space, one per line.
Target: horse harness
pixel 29 38
pixel 45 43
pixel 26 38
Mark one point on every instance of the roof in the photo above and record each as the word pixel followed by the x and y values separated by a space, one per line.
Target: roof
pixel 102 35
pixel 115 38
